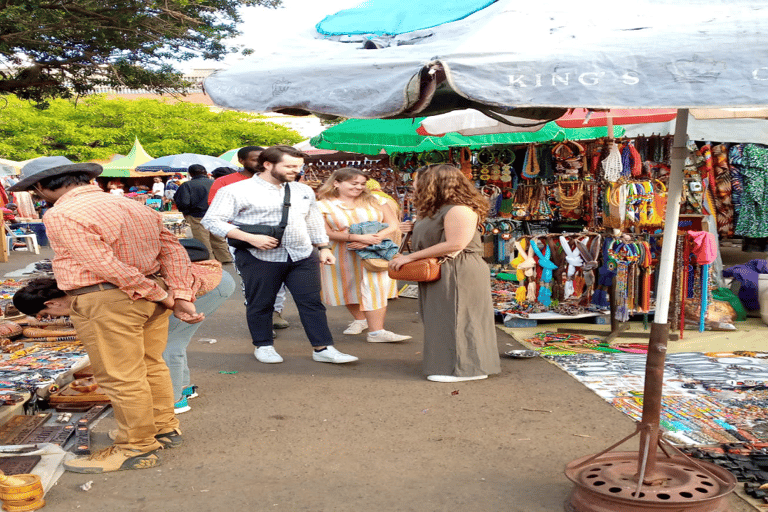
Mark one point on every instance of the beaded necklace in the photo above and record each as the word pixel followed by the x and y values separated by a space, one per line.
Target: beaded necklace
pixel 570 204
pixel 531 167
pixel 612 164
pixel 625 255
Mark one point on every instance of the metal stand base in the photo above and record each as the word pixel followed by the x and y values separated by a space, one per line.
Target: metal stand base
pixel 608 483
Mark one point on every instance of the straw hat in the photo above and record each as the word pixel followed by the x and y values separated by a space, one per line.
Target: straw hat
pixel 48 166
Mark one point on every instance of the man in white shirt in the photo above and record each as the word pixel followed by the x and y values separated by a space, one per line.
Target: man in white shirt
pixel 271 262
pixel 158 188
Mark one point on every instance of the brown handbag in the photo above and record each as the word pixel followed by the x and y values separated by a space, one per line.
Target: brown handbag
pixel 424 270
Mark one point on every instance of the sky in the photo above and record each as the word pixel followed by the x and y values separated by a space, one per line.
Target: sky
pixel 261 26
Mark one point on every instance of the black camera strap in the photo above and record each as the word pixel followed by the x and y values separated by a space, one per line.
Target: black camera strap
pixel 286 206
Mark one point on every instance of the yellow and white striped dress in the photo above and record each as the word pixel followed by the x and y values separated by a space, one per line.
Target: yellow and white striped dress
pixel 348 282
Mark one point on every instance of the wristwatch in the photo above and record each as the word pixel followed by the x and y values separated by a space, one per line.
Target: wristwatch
pixel 321 247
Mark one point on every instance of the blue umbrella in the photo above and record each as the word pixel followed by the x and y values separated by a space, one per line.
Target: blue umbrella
pixel 181 162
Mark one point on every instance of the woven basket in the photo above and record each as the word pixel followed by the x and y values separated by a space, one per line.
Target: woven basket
pixel 10 329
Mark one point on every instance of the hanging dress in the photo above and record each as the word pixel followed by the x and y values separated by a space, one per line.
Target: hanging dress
pixel 348 281
pixel 457 309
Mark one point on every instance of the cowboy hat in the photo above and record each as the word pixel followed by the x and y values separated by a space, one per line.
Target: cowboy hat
pixel 48 166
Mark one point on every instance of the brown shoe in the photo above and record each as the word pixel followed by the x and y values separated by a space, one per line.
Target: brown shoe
pixel 172 439
pixel 278 322
pixel 113 458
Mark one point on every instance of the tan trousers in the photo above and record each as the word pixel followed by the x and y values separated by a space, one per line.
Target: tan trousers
pixel 216 245
pixel 125 340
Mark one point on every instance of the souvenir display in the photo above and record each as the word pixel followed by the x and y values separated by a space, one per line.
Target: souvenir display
pixel 570 221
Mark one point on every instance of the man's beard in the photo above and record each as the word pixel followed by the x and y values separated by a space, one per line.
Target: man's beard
pixel 282 178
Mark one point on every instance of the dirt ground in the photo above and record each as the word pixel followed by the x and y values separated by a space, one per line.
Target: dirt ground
pixel 372 435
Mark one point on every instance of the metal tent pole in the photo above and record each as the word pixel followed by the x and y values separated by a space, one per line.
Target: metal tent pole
pixel 657 348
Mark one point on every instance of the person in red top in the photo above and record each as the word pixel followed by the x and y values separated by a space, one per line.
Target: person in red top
pixel 249 158
pixel 124 272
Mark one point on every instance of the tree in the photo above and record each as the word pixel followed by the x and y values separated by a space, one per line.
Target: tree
pixel 60 48
pixel 95 128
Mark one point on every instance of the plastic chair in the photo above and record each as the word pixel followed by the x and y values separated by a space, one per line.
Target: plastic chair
pixel 30 239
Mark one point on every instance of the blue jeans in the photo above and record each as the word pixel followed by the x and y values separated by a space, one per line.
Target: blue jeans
pixel 263 279
pixel 180 333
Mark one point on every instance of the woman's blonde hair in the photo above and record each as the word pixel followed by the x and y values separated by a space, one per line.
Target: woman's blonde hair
pixel 328 191
pixel 443 184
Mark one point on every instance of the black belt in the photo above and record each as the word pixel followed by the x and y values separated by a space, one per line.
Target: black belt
pixel 100 287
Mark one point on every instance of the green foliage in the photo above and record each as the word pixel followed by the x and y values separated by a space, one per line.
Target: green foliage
pixel 95 128
pixel 61 48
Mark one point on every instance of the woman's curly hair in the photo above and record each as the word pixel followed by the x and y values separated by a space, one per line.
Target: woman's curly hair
pixel 442 184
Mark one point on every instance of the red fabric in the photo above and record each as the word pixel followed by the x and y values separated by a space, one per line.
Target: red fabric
pixel 223 182
pixel 704 247
pixel 98 237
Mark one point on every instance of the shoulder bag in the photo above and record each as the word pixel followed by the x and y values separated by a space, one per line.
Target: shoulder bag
pixel 261 229
pixel 424 270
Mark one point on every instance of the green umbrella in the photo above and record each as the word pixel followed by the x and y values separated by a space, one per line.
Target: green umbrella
pixel 122 167
pixel 370 136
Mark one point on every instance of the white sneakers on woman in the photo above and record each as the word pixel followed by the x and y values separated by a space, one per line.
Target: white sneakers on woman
pixel 356 327
pixel 451 378
pixel 383 336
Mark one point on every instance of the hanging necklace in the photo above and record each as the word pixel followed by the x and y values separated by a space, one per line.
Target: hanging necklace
pixel 570 203
pixel 531 167
pixel 612 167
pixel 625 255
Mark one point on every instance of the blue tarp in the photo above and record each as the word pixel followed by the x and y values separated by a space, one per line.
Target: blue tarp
pixel 392 17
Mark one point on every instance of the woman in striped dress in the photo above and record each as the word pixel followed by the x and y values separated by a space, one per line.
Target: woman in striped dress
pixel 345 201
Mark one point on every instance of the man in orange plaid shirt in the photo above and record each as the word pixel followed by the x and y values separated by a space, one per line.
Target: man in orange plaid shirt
pixel 125 272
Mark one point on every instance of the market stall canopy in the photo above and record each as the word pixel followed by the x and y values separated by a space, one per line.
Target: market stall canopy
pixel 15 167
pixel 371 136
pixel 664 54
pixel 474 122
pixel 181 162
pixel 709 126
pixel 122 167
pixel 9 167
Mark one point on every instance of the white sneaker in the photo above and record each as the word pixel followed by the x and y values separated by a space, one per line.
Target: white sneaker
pixel 451 378
pixel 386 337
pixel 331 355
pixel 267 354
pixel 356 327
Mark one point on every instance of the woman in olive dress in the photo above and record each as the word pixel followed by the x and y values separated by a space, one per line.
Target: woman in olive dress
pixel 457 309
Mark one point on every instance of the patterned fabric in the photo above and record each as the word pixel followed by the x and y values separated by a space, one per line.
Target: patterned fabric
pixel 100 237
pixel 706 168
pixel 207 274
pixel 348 281
pixel 256 201
pixel 735 158
pixel 723 202
pixel 753 215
